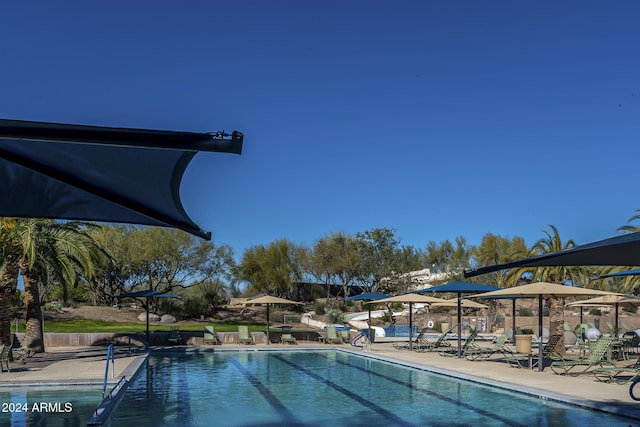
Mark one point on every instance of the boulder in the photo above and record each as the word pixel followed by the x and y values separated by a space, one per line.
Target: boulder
pixel 167 318
pixel 152 317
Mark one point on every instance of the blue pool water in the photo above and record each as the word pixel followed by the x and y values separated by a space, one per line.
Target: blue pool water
pixel 48 406
pixel 302 388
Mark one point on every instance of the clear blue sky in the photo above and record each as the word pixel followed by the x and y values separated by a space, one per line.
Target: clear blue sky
pixel 438 119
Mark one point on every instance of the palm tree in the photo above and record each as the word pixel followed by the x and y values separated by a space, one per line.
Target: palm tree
pixel 560 275
pixel 628 284
pixel 8 277
pixel 51 251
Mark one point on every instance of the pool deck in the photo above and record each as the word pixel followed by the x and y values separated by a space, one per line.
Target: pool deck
pixel 86 366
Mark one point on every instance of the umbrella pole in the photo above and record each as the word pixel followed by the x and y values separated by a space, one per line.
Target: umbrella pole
pixel 616 328
pixel 148 341
pixel 268 323
pixel 540 361
pixel 410 328
pixel 459 328
pixel 513 318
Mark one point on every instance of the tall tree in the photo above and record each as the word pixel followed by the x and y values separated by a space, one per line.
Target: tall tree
pixel 380 260
pixel 495 249
pixel 51 251
pixel 271 269
pixel 8 276
pixel 567 275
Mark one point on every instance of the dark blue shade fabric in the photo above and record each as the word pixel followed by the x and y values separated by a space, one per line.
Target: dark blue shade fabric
pixel 129 176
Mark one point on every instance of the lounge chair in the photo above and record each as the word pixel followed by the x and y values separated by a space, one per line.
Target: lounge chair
pixel 437 345
pixel 332 336
pixel 549 352
pixel 597 357
pixel 418 341
pixel 500 346
pixel 618 374
pixel 4 357
pixel 469 344
pixel 288 339
pixel 244 337
pixel 20 355
pixel 174 336
pixel 210 337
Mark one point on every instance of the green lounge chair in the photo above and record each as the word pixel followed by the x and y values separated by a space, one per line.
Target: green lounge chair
pixel 437 345
pixel 618 374
pixel 4 357
pixel 244 337
pixel 421 339
pixel 210 337
pixel 469 344
pixel 288 339
pixel 597 357
pixel 174 336
pixel 549 352
pixel 332 335
pixel 500 346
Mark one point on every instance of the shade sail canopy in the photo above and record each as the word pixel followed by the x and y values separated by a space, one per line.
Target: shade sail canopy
pixel 105 174
pixel 459 287
pixel 268 299
pixel 409 298
pixel 620 250
pixel 464 303
pixel 543 289
pixel 626 300
pixel 366 296
pixel 621 273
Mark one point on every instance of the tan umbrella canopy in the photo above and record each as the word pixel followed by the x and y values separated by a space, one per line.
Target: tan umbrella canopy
pixel 268 300
pixel 465 303
pixel 608 300
pixel 542 290
pixel 409 299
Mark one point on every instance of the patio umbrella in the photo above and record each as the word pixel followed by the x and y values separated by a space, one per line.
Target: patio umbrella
pixel 465 303
pixel 459 288
pixel 268 300
pixel 410 298
pixel 367 296
pixel 608 300
pixel 146 294
pixel 620 250
pixel 542 290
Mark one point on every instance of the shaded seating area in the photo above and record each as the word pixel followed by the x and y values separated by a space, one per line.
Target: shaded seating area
pixel 174 337
pixel 244 337
pixel 598 356
pixel 499 347
pixel 210 337
pixel 532 360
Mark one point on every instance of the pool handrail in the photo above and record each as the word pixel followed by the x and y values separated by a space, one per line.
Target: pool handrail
pixel 106 369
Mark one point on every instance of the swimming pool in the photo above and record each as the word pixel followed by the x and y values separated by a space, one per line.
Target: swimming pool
pixel 329 387
pixel 48 406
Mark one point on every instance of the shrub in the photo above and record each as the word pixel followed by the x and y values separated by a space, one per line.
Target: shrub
pixel 525 312
pixel 319 308
pixel 336 316
pixel 595 312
